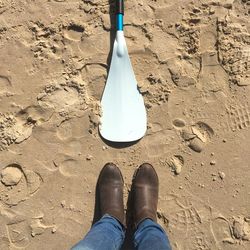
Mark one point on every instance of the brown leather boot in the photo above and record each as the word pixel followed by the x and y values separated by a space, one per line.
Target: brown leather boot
pixel 145 190
pixel 110 185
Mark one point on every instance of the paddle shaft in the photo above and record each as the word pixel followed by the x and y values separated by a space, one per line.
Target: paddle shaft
pixel 119 14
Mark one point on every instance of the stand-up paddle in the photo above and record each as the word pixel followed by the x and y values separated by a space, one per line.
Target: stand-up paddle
pixel 124 117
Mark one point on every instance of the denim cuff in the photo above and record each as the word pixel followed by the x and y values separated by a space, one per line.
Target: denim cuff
pixel 116 222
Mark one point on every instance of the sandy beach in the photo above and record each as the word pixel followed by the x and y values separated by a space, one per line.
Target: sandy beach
pixel 192 63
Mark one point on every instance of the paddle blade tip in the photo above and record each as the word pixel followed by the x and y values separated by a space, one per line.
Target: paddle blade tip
pixel 122 136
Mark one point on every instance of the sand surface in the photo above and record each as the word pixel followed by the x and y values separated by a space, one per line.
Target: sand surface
pixel 192 63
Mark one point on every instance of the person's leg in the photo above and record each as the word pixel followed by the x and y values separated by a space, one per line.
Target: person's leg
pixel 106 234
pixel 145 190
pixel 150 235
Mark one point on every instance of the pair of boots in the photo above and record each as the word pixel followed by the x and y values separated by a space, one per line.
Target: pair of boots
pixel 144 190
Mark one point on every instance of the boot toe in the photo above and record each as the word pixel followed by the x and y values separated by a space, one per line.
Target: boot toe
pixel 110 172
pixel 145 193
pixel 146 174
pixel 110 189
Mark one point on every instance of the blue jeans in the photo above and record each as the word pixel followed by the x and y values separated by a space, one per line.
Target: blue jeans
pixel 109 234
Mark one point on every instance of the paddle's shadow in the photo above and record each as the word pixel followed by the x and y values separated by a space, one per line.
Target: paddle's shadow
pixel 118 144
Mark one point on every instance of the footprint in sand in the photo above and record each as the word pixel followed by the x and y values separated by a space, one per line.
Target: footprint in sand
pixel 66 99
pixel 238 116
pixel 16 128
pixel 176 163
pixel 18 234
pixel 208 79
pixel 241 228
pixel 14 230
pixel 58 97
pixel 184 72
pixel 222 230
pixel 5 85
pixel 74 32
pixel 231 231
pixel 64 131
pixel 196 135
pixel 4 242
pixel 13 130
pixel 95 75
pixel 151 82
pixel 47 42
pixel 35 114
pixel 203 131
pixel 19 229
pixel 158 143
pixel 38 227
pixel 70 129
pixel 232 117
pixel 68 166
pixel 17 185
pixel 179 123
pixel 201 226
pixel 203 134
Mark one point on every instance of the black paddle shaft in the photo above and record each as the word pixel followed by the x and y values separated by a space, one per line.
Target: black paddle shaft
pixel 120 7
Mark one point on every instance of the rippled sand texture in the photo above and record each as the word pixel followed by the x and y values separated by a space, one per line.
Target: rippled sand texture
pixel 192 63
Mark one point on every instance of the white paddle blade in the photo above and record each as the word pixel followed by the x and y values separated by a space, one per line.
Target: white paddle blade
pixel 124 116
